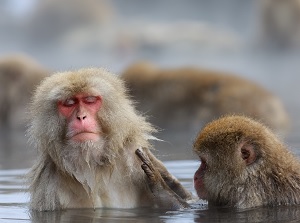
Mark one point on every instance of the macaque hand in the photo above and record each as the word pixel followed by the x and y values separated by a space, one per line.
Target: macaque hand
pixel 153 175
pixel 165 197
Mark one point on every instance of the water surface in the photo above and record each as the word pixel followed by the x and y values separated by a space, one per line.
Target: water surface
pixel 14 199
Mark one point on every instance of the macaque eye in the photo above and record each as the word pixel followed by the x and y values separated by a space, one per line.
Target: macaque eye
pixel 90 99
pixel 69 102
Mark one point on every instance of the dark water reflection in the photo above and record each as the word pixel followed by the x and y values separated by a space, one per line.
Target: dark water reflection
pixel 13 206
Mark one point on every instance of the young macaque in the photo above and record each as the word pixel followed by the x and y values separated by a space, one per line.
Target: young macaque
pixel 194 96
pixel 243 165
pixel 86 131
pixel 19 75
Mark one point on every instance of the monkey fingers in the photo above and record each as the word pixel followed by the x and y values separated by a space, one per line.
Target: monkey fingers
pixel 145 159
pixel 155 179
pixel 151 177
pixel 164 196
pixel 148 171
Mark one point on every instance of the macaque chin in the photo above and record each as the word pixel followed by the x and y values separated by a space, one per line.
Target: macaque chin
pixel 86 132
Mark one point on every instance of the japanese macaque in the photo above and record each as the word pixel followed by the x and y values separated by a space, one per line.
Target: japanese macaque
pixel 243 165
pixel 193 96
pixel 280 22
pixel 86 131
pixel 19 75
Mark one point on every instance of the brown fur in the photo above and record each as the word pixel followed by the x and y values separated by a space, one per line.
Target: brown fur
pixel 269 175
pixel 272 179
pixel 188 96
pixel 19 75
pixel 104 174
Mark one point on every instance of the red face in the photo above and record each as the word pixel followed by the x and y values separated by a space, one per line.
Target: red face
pixel 199 180
pixel 80 112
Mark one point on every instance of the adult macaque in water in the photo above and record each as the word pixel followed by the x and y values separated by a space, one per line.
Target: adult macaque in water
pixel 19 75
pixel 243 165
pixel 193 96
pixel 87 131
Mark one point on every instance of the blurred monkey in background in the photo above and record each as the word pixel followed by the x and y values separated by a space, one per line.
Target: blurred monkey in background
pixel 19 76
pixel 186 97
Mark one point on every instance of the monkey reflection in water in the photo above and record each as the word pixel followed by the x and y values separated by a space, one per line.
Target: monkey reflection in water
pixel 243 165
pixel 86 132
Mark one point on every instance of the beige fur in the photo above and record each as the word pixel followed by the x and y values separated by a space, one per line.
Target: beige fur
pixel 90 174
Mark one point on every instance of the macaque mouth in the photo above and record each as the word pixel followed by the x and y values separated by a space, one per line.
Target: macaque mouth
pixel 85 136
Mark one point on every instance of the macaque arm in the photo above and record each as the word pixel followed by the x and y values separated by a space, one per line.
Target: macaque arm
pixel 169 179
pixel 163 195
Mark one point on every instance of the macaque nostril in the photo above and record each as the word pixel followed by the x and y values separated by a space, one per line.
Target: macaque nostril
pixel 81 117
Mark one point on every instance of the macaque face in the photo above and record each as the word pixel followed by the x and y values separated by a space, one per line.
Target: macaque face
pixel 228 166
pixel 80 112
pixel 199 180
pixel 227 148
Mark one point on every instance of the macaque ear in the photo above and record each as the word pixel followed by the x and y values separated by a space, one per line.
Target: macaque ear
pixel 248 153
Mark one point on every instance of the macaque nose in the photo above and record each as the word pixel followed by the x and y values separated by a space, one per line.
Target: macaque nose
pixel 81 113
pixel 81 117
